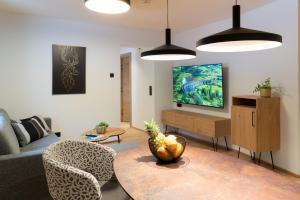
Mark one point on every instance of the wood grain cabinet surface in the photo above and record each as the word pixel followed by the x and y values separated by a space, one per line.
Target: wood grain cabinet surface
pixel 201 124
pixel 255 123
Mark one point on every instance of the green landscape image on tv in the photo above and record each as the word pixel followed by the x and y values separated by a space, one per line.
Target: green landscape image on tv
pixel 199 85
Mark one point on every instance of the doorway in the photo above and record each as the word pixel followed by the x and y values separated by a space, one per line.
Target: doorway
pixel 126 104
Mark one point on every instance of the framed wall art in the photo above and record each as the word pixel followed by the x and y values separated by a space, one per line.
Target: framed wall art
pixel 68 70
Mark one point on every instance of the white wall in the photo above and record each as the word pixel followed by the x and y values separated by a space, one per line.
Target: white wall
pixel 244 70
pixel 26 70
pixel 163 89
pixel 142 76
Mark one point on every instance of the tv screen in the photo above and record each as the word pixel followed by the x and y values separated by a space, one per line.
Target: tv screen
pixel 199 85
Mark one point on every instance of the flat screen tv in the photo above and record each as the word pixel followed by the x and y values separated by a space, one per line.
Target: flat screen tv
pixel 199 85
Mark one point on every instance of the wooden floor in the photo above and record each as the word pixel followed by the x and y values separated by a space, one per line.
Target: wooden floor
pixel 141 137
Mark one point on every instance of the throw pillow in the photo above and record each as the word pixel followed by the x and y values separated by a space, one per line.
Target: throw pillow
pixel 21 133
pixel 28 131
pixel 40 120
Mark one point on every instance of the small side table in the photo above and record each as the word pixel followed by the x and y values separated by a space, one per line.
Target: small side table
pixel 110 132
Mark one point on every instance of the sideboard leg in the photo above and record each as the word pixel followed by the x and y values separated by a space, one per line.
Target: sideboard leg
pixel 119 139
pixel 251 155
pixel 239 152
pixel 259 158
pixel 213 143
pixel 254 157
pixel 217 144
pixel 226 143
pixel 166 129
pixel 272 159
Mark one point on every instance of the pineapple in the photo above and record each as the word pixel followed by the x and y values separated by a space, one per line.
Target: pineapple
pixel 159 140
pixel 152 129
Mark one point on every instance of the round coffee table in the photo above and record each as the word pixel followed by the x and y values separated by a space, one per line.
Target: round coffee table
pixel 110 132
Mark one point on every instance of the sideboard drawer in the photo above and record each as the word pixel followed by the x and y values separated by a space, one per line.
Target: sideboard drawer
pixel 205 126
pixel 185 122
pixel 168 117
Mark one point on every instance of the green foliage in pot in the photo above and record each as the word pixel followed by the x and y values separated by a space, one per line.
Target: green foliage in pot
pixel 103 125
pixel 266 84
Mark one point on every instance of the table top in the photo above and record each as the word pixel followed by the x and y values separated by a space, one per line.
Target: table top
pixel 110 132
pixel 200 175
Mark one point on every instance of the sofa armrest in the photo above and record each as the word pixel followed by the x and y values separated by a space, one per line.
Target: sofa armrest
pixel 48 122
pixel 58 134
pixel 15 168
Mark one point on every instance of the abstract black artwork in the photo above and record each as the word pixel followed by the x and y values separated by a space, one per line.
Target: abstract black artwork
pixel 68 71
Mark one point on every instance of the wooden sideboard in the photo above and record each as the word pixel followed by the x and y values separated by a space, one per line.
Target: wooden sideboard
pixel 255 124
pixel 201 124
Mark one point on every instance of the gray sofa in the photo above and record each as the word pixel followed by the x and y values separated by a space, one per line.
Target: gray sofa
pixel 22 173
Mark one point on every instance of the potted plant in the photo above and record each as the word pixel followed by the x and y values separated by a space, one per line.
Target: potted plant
pixel 101 127
pixel 264 88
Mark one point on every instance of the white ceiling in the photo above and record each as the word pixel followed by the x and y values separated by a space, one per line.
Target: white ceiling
pixel 144 14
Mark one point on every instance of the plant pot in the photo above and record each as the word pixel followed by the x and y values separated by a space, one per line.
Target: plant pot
pixel 171 158
pixel 100 130
pixel 265 92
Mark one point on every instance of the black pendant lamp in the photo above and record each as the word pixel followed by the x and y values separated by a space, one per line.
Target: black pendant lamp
pixel 238 39
pixel 168 51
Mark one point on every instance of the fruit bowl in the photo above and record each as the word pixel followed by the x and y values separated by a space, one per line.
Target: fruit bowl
pixel 169 153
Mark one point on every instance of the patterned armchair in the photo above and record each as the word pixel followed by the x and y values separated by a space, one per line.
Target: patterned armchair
pixel 77 169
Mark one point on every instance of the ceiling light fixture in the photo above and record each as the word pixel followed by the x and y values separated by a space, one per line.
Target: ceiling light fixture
pixel 168 51
pixel 238 39
pixel 108 6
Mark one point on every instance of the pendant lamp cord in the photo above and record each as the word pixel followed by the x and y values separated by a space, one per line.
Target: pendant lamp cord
pixel 236 2
pixel 168 14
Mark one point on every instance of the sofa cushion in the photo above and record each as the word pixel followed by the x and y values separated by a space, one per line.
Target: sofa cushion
pixel 41 143
pixel 8 140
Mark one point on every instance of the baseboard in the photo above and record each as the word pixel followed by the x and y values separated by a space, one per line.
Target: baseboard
pixel 138 129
